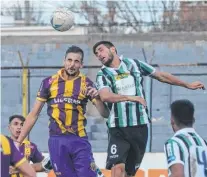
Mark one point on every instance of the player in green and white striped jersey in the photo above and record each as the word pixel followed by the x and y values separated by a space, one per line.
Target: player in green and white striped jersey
pixel 120 85
pixel 186 151
pixel 126 80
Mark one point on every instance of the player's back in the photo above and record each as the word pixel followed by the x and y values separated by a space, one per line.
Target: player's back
pixel 193 152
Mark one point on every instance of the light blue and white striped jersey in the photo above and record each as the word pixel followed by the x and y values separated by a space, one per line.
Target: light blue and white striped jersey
pixel 188 148
pixel 127 79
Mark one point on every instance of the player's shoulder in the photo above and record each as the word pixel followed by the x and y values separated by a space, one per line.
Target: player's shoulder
pixel 33 145
pixel 6 144
pixel 171 140
pixel 5 139
pixel 100 73
pixel 29 144
pixel 49 80
pixel 84 77
pixel 126 59
pixel 131 60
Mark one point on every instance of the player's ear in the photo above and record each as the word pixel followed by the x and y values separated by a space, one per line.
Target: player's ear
pixel 113 49
pixel 172 121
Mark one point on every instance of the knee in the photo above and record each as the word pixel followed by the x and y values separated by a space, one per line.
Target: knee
pixel 118 170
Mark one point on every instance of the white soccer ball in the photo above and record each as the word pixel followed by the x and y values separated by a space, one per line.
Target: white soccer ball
pixel 62 19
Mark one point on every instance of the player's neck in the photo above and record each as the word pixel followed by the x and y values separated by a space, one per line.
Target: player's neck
pixel 13 138
pixel 182 127
pixel 116 62
pixel 68 77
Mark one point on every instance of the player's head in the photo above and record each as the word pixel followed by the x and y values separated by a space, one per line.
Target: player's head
pixel 182 114
pixel 73 60
pixel 15 125
pixel 105 52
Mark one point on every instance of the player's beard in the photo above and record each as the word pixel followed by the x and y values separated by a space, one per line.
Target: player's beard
pixel 71 74
pixel 110 59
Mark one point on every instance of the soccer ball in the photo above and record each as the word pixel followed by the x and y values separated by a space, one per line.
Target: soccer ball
pixel 62 19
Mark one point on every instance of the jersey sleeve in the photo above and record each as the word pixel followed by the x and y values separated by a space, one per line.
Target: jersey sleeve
pixel 102 81
pixel 43 92
pixel 16 157
pixel 145 68
pixel 173 153
pixel 37 155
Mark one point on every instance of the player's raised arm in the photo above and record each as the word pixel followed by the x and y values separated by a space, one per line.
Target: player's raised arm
pixel 31 118
pixel 165 77
pixel 173 80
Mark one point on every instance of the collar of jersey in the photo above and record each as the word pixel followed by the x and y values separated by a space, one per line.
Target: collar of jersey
pixel 121 58
pixel 24 141
pixel 60 74
pixel 183 130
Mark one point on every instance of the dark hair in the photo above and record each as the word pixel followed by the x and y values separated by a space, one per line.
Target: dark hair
pixel 108 44
pixel 74 49
pixel 16 116
pixel 183 112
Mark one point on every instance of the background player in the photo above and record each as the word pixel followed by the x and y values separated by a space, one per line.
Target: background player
pixel 186 151
pixel 11 156
pixel 66 94
pixel 27 148
pixel 120 85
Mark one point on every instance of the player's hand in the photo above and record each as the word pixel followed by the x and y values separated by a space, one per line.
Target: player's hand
pixel 46 164
pixel 13 170
pixel 138 99
pixel 196 85
pixel 92 92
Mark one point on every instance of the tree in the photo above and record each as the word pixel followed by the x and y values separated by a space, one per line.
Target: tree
pixel 127 16
pixel 23 11
pixel 120 16
pixel 170 21
pixel 109 16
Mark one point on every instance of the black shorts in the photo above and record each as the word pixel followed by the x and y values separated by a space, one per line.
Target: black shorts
pixel 127 145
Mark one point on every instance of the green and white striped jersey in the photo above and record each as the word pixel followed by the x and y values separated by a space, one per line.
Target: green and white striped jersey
pixel 188 148
pixel 127 79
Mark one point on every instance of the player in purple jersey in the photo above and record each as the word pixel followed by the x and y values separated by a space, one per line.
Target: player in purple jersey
pixel 27 148
pixel 11 156
pixel 66 94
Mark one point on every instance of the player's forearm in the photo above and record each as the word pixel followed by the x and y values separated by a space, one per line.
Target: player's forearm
pixel 27 170
pixel 170 79
pixel 102 108
pixel 28 124
pixel 113 98
pixel 38 167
